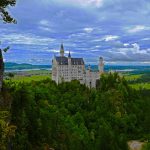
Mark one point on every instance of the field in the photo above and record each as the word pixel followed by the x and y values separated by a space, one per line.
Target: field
pixel 28 76
pixel 138 81
pixel 140 86
pixel 133 77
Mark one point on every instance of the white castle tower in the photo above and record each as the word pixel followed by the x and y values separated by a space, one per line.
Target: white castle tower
pixel 101 65
pixel 69 68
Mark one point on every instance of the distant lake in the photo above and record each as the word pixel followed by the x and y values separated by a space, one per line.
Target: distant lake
pixel 22 70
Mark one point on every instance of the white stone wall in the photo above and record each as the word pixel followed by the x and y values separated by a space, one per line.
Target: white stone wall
pixel 69 72
pixel 91 78
pixel 74 72
pixel 54 71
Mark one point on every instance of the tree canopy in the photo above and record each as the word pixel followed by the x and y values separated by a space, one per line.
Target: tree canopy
pixel 70 116
pixel 5 16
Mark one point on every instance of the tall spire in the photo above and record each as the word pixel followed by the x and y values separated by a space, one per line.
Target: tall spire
pixel 69 55
pixel 62 50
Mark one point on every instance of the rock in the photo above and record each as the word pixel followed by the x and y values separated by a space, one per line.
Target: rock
pixel 135 145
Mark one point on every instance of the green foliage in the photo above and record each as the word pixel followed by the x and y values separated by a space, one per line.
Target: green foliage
pixel 146 146
pixel 28 79
pixel 11 75
pixel 139 81
pixel 69 116
pixel 4 13
pixel 7 131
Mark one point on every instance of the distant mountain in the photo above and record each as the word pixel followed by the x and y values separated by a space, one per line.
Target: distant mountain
pixel 16 66
pixel 9 66
pixel 119 68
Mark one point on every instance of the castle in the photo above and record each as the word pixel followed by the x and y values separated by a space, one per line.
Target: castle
pixel 69 68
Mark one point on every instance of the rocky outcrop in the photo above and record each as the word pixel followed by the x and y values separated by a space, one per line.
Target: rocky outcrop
pixel 135 145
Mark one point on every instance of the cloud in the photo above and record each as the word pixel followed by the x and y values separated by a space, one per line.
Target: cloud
pixel 88 30
pixel 89 27
pixel 45 25
pixel 126 44
pixel 28 39
pixel 137 50
pixel 96 3
pixel 111 38
pixel 46 29
pixel 132 53
pixel 58 51
pixel 83 3
pixel 44 22
pixel 145 39
pixel 138 28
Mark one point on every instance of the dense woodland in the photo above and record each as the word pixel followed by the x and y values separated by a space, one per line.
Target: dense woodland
pixel 69 116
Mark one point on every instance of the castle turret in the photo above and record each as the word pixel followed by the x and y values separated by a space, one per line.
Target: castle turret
pixel 62 50
pixel 101 65
pixel 89 67
pixel 69 66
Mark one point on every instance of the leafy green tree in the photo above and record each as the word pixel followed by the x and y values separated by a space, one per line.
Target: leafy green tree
pixel 7 131
pixel 71 116
pixel 5 16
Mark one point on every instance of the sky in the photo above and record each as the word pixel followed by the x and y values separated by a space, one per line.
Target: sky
pixel 117 30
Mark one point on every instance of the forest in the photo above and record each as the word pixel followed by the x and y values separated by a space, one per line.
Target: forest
pixel 40 115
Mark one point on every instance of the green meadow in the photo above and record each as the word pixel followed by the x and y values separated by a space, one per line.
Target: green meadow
pixel 140 86
pixel 138 81
pixel 132 77
pixel 28 76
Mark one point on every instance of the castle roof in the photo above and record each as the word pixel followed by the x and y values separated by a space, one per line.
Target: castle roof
pixel 62 60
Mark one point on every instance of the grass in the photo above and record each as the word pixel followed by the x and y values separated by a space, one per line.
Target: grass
pixel 134 77
pixel 146 146
pixel 140 86
pixel 130 77
pixel 44 74
pixel 30 78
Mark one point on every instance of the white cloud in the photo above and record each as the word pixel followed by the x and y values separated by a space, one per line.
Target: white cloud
pixel 28 39
pixel 83 3
pixel 96 3
pixel 136 49
pixel 44 23
pixel 146 39
pixel 133 49
pixel 53 50
pixel 126 44
pixel 137 28
pixel 131 53
pixel 110 38
pixel 97 46
pixel 107 38
pixel 88 30
pixel 45 29
pixel 146 62
pixel 57 51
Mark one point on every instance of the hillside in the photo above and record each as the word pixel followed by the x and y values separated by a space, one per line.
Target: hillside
pixel 14 66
